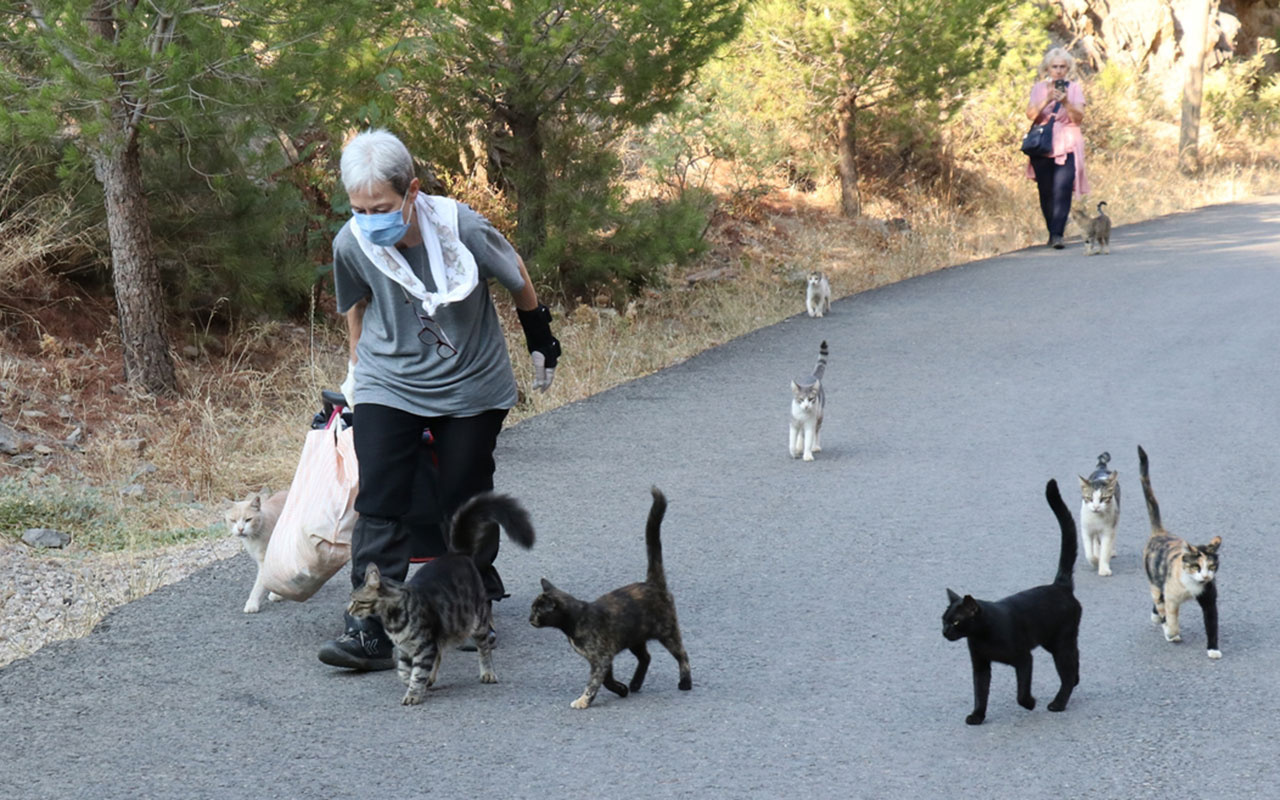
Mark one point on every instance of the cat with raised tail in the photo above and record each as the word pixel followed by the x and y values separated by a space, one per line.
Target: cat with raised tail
pixel 1099 514
pixel 817 294
pixel 1097 230
pixel 254 520
pixel 807 401
pixel 444 602
pixel 1178 571
pixel 1007 630
pixel 624 619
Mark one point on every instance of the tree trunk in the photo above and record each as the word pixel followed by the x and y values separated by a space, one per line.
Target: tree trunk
pixel 135 275
pixel 847 149
pixel 529 176
pixel 1194 43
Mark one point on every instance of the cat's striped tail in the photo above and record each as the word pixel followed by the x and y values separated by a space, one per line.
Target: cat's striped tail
pixel 1067 523
pixel 473 522
pixel 656 576
pixel 822 360
pixel 1153 508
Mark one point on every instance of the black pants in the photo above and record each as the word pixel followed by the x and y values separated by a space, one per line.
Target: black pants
pixel 389 448
pixel 1055 182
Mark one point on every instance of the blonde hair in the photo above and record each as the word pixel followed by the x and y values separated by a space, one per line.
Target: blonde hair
pixel 1053 55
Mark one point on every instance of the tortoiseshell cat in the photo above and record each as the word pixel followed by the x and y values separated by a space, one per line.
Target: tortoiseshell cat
pixel 1179 571
pixel 445 601
pixel 1008 630
pixel 624 619
pixel 1099 514
pixel 807 401
pixel 254 520
pixel 817 295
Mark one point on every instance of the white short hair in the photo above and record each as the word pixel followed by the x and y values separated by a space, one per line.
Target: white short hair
pixel 376 156
pixel 1054 54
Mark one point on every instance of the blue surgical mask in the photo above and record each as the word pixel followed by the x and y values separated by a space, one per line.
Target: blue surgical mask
pixel 384 229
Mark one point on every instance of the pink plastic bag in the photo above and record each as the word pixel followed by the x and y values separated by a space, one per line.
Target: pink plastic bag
pixel 312 538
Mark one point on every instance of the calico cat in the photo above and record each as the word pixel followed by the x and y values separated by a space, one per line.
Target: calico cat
pixel 254 520
pixel 1097 231
pixel 1178 571
pixel 1099 513
pixel 817 295
pixel 807 401
pixel 1008 630
pixel 624 619
pixel 445 601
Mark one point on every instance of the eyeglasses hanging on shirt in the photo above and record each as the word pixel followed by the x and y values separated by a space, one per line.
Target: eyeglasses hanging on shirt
pixel 432 333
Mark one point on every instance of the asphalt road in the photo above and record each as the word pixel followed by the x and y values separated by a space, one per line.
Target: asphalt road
pixel 810 594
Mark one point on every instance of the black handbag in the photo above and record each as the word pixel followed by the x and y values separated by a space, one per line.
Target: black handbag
pixel 1039 140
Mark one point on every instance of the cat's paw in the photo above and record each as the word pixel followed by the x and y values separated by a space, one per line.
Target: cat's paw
pixel 488 677
pixel 817 448
pixel 1057 706
pixel 251 607
pixel 685 684
pixel 1215 654
pixel 273 597
pixel 975 719
pixel 1156 619
pixel 412 698
pixel 808 456
pixel 581 703
pixel 1027 702
pixel 1176 637
pixel 1104 571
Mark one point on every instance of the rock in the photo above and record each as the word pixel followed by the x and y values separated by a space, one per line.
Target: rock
pixel 43 449
pixel 32 413
pixel 65 398
pixel 75 438
pixel 9 444
pixel 191 351
pixel 136 445
pixel 133 490
pixel 46 537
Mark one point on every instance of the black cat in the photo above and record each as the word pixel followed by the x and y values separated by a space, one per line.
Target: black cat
pixel 624 619
pixel 1008 630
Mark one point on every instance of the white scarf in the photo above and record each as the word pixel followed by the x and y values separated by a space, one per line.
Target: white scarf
pixel 453 267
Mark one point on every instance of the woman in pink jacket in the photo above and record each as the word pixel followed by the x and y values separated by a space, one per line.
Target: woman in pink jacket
pixel 1061 174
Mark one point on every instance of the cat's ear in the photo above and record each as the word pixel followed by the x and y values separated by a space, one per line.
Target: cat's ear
pixel 952 596
pixel 546 586
pixel 971 605
pixel 1113 478
pixel 372 577
pixel 1084 484
pixel 256 503
pixel 1212 546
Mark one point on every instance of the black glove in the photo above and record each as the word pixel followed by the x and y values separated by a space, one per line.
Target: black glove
pixel 544 347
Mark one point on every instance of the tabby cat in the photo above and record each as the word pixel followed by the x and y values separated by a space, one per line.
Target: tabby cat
pixel 807 400
pixel 1178 571
pixel 254 520
pixel 1008 630
pixel 624 619
pixel 1099 513
pixel 445 601
pixel 817 295
pixel 1097 231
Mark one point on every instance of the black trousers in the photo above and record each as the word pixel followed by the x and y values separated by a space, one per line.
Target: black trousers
pixel 1055 182
pixel 396 470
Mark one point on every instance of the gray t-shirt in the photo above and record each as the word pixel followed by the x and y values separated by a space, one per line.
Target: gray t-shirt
pixel 394 367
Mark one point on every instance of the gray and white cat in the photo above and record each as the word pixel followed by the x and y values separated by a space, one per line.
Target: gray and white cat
pixel 807 400
pixel 253 520
pixel 1099 513
pixel 1097 231
pixel 817 295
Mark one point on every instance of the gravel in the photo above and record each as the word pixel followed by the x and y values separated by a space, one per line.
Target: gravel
pixel 46 597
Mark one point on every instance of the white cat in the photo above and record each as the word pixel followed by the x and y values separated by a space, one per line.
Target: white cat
pixel 1099 514
pixel 817 295
pixel 807 400
pixel 253 520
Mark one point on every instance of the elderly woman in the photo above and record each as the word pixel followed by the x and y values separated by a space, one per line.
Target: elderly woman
pixel 1061 173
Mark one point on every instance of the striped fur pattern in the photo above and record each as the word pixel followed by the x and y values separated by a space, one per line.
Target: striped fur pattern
pixel 1179 571
pixel 624 619
pixel 1007 630
pixel 808 399
pixel 1099 514
pixel 817 295
pixel 445 601
pixel 1097 231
